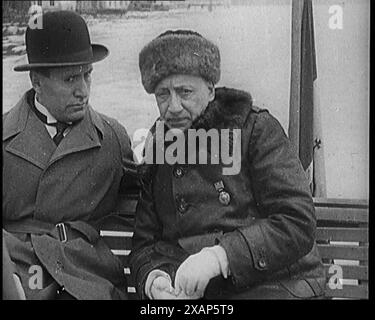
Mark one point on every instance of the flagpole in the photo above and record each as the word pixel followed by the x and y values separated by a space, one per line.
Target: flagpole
pixel 319 172
pixel 295 98
pixel 305 129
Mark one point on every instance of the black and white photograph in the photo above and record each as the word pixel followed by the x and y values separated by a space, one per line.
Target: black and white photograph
pixel 194 150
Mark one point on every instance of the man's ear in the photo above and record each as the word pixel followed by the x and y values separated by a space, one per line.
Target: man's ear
pixel 35 81
pixel 211 88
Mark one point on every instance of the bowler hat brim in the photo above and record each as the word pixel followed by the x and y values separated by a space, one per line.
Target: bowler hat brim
pixel 99 53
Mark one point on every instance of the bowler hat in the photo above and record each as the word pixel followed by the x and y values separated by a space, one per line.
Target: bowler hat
pixel 62 39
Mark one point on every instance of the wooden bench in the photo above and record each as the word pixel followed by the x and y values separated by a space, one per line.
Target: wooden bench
pixel 342 238
pixel 343 242
pixel 119 237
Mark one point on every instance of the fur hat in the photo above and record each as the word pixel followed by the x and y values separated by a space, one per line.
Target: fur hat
pixel 178 52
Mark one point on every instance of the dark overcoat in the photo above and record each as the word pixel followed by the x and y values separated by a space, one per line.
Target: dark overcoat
pixel 265 220
pixel 77 184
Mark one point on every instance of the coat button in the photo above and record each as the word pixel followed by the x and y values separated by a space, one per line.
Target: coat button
pixel 59 267
pixel 178 172
pixel 262 263
pixel 182 205
pixel 60 290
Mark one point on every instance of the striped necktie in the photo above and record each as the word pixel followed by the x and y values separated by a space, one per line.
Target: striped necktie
pixel 60 127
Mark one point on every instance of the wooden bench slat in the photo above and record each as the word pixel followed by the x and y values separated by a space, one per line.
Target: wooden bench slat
pixel 121 252
pixel 343 252
pixel 131 290
pixel 356 272
pixel 342 234
pixel 349 215
pixel 348 291
pixel 338 202
pixel 111 233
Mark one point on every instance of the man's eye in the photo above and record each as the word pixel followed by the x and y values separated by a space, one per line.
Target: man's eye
pixel 185 93
pixel 71 79
pixel 162 95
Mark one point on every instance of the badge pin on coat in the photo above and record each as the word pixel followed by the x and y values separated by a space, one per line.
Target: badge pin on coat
pixel 224 196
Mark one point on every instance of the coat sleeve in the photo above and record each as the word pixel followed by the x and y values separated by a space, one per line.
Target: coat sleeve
pixel 149 251
pixel 286 231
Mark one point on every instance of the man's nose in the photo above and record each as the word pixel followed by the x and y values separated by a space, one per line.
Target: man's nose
pixel 175 104
pixel 82 89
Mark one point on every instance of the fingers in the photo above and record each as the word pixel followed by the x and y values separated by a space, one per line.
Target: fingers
pixel 186 280
pixel 19 287
pixel 191 278
pixel 162 284
pixel 201 287
pixel 183 296
pixel 179 282
pixel 162 294
pixel 196 285
pixel 162 289
pixel 190 285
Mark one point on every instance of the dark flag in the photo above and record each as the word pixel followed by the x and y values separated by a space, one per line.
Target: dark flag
pixel 304 114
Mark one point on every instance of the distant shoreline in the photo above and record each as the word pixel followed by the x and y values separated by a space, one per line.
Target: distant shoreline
pixel 14 32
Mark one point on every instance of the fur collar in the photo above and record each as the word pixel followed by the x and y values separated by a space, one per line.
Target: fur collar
pixel 228 110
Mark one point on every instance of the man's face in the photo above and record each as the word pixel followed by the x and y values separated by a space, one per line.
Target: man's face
pixel 181 99
pixel 65 93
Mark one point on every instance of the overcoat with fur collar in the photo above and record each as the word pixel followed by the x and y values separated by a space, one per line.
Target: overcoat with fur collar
pixel 75 183
pixel 267 228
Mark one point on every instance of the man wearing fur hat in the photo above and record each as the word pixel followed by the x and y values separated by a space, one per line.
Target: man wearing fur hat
pixel 201 233
pixel 63 164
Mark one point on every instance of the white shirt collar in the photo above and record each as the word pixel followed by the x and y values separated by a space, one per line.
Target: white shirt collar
pixel 43 110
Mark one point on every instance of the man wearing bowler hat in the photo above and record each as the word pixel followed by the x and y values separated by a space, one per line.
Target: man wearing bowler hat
pixel 63 166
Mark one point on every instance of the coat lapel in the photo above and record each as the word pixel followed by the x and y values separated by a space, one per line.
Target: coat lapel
pixel 32 141
pixel 83 136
